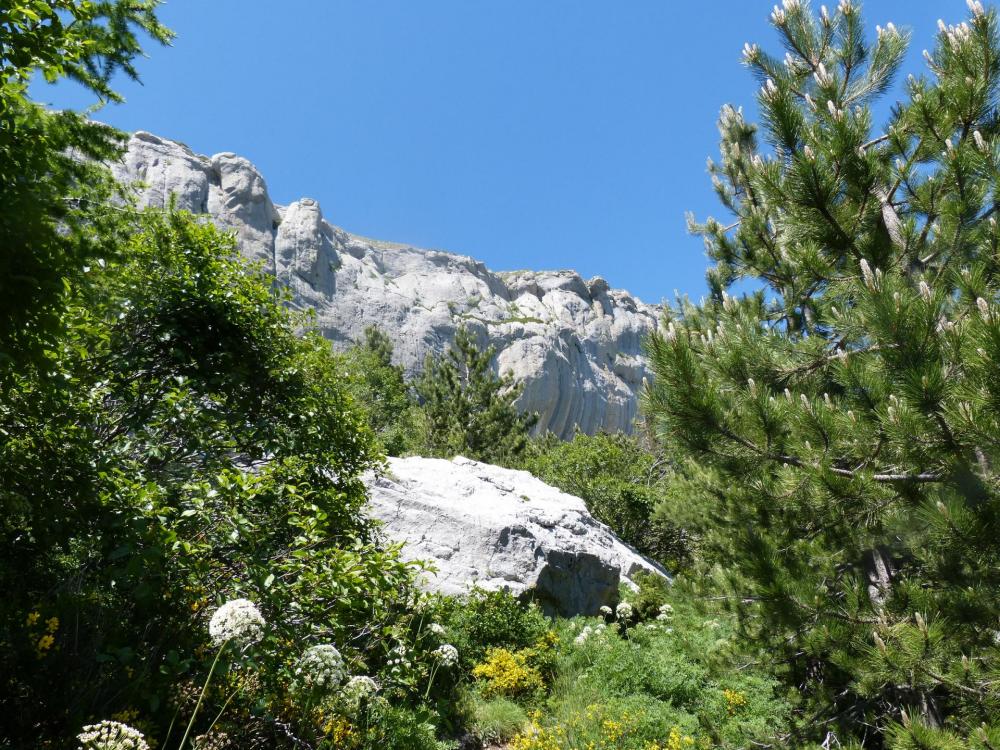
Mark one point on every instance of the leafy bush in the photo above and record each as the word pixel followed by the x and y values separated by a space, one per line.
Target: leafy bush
pixel 667 683
pixel 381 727
pixel 653 595
pixel 184 447
pixel 622 482
pixel 508 674
pixel 492 619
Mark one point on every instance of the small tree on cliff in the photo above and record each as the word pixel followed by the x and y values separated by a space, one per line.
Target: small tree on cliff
pixel 380 389
pixel 842 422
pixel 468 409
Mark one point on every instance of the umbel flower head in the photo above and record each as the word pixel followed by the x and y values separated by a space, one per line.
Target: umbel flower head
pixel 446 654
pixel 360 687
pixel 111 735
pixel 237 620
pixel 321 667
pixel 436 628
pixel 624 611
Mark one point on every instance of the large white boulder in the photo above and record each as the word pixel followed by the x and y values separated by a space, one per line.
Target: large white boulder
pixel 486 526
pixel 574 345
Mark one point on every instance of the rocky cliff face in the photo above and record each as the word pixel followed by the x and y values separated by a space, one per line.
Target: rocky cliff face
pixel 496 528
pixel 574 344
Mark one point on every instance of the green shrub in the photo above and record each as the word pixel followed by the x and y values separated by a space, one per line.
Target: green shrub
pixel 493 720
pixel 662 681
pixel 508 674
pixel 653 594
pixel 486 619
pixel 621 481
pixel 383 727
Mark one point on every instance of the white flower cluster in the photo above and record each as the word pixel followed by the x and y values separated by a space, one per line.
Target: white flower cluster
pixel 587 632
pixel 401 658
pixel 237 620
pixel 111 735
pixel 435 628
pixel 624 611
pixel 606 611
pixel 446 654
pixel 321 666
pixel 666 612
pixel 360 687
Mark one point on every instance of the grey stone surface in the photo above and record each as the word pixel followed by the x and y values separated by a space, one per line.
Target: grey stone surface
pixel 574 344
pixel 498 528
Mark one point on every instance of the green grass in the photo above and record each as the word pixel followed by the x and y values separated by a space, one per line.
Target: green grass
pixel 492 720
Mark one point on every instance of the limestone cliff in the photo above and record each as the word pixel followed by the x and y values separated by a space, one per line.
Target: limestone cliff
pixel 574 344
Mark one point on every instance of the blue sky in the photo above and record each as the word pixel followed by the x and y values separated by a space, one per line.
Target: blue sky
pixel 526 133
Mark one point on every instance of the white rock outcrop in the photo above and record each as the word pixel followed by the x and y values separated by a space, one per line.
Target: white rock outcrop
pixel 486 526
pixel 574 345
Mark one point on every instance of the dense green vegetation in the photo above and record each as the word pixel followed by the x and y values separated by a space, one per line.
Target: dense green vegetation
pixel 660 682
pixel 467 409
pixel 52 224
pixel 185 447
pixel 373 380
pixel 840 424
pixel 182 549
pixel 624 484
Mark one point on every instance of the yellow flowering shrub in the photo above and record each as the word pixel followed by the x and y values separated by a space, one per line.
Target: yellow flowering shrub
pixel 537 737
pixel 735 700
pixel 340 732
pixel 508 674
pixel 675 741
pixel 596 728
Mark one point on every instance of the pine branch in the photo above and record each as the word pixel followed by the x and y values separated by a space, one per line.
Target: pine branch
pixel 881 477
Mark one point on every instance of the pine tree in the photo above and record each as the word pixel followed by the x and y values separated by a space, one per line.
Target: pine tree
pixel 841 422
pixel 467 408
pixel 380 389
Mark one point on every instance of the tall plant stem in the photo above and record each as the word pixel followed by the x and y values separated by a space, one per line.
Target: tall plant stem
pixel 204 689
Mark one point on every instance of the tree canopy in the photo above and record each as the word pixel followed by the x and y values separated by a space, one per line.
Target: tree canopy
pixel 841 421
pixel 55 191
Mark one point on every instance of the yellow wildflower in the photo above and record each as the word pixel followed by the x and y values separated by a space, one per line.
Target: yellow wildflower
pixel 33 618
pixel 45 642
pixel 507 673
pixel 52 625
pixel 340 731
pixel 613 730
pixel 735 700
pixel 126 716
